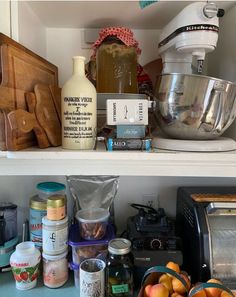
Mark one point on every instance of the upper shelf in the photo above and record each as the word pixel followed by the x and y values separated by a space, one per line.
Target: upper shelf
pixel 56 161
pixel 98 14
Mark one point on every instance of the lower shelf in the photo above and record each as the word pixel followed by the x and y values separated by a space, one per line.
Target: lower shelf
pixel 8 289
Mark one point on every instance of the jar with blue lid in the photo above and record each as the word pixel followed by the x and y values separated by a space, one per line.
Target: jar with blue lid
pixel 38 208
pixel 47 189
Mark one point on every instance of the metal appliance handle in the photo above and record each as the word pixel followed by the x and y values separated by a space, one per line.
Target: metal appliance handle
pixel 215 206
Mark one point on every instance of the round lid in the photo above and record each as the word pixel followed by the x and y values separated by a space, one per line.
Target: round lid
pixel 50 187
pixel 56 201
pixel 119 246
pixel 26 247
pixel 55 257
pixel 7 205
pixel 48 222
pixel 92 215
pixel 38 203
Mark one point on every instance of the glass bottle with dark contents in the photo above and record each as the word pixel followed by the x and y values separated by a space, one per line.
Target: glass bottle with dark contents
pixel 120 266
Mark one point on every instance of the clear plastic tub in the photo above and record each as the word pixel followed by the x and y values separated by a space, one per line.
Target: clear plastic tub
pixel 93 223
pixel 47 189
pixel 84 249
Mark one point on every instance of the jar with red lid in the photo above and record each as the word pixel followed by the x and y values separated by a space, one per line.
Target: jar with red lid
pixel 116 61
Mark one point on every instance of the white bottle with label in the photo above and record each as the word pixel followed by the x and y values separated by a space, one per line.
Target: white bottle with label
pixel 79 109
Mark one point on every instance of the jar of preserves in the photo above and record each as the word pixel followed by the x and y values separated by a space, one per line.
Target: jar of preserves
pixel 116 61
pixel 120 265
pixel 56 209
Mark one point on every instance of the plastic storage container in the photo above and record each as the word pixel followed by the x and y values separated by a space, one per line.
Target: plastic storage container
pixel 37 212
pixel 25 262
pixel 93 223
pixel 55 270
pixel 83 249
pixel 47 189
pixel 55 236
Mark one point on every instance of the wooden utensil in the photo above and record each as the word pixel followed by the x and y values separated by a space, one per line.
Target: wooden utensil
pixel 56 96
pixel 21 120
pixel 41 135
pixel 46 114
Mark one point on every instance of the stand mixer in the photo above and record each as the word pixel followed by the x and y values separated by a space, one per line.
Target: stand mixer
pixel 192 33
pixel 193 109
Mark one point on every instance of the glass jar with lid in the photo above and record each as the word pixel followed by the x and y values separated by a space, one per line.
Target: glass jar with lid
pixel 116 61
pixel 120 266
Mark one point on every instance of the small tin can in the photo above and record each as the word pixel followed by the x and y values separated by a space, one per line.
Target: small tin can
pixel 55 236
pixel 56 209
pixel 38 209
pixel 92 278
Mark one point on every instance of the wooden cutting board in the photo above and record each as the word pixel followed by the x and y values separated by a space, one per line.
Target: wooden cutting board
pixel 21 70
pixel 46 114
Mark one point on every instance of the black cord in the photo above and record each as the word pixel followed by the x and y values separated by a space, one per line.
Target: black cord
pixel 139 206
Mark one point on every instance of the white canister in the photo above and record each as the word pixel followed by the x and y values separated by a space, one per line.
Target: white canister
pixel 92 278
pixel 25 262
pixel 55 270
pixel 55 235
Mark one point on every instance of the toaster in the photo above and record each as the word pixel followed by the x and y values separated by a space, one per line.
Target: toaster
pixel 206 222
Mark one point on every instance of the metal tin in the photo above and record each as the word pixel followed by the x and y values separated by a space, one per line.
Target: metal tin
pixel 56 209
pixel 38 210
pixel 92 278
pixel 119 246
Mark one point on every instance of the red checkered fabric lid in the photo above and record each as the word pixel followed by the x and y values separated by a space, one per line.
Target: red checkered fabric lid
pixel 122 33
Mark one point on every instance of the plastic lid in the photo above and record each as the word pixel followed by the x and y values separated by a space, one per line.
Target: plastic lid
pixel 48 222
pixel 50 187
pixel 55 257
pixel 92 215
pixel 26 247
pixel 119 246
pixel 75 239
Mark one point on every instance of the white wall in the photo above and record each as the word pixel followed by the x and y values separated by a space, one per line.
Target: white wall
pixel 29 31
pixel 131 190
pixel 5 17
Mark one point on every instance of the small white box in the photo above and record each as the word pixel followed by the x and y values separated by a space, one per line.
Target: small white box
pixel 127 112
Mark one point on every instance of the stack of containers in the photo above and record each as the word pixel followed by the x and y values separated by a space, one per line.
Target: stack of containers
pixel 54 233
pixel 89 237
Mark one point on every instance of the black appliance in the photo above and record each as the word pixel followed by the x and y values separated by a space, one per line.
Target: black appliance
pixel 206 222
pixel 153 239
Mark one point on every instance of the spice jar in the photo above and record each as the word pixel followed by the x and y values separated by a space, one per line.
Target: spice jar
pixel 56 209
pixel 55 270
pixel 120 265
pixel 55 235
pixel 116 61
pixel 37 212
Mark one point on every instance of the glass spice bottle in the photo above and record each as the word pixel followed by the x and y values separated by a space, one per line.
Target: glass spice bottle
pixel 119 272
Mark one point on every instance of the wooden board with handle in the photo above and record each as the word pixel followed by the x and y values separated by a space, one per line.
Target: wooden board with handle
pixel 46 114
pixel 20 70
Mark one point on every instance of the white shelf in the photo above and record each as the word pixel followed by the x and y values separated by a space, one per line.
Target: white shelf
pixel 56 161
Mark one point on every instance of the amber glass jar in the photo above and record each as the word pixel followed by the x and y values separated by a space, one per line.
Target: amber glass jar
pixel 116 67
pixel 119 272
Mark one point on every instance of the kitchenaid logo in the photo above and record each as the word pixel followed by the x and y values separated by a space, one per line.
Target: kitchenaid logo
pixel 202 27
pixel 189 28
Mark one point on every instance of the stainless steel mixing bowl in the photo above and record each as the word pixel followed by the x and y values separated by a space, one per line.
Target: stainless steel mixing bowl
pixel 194 106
